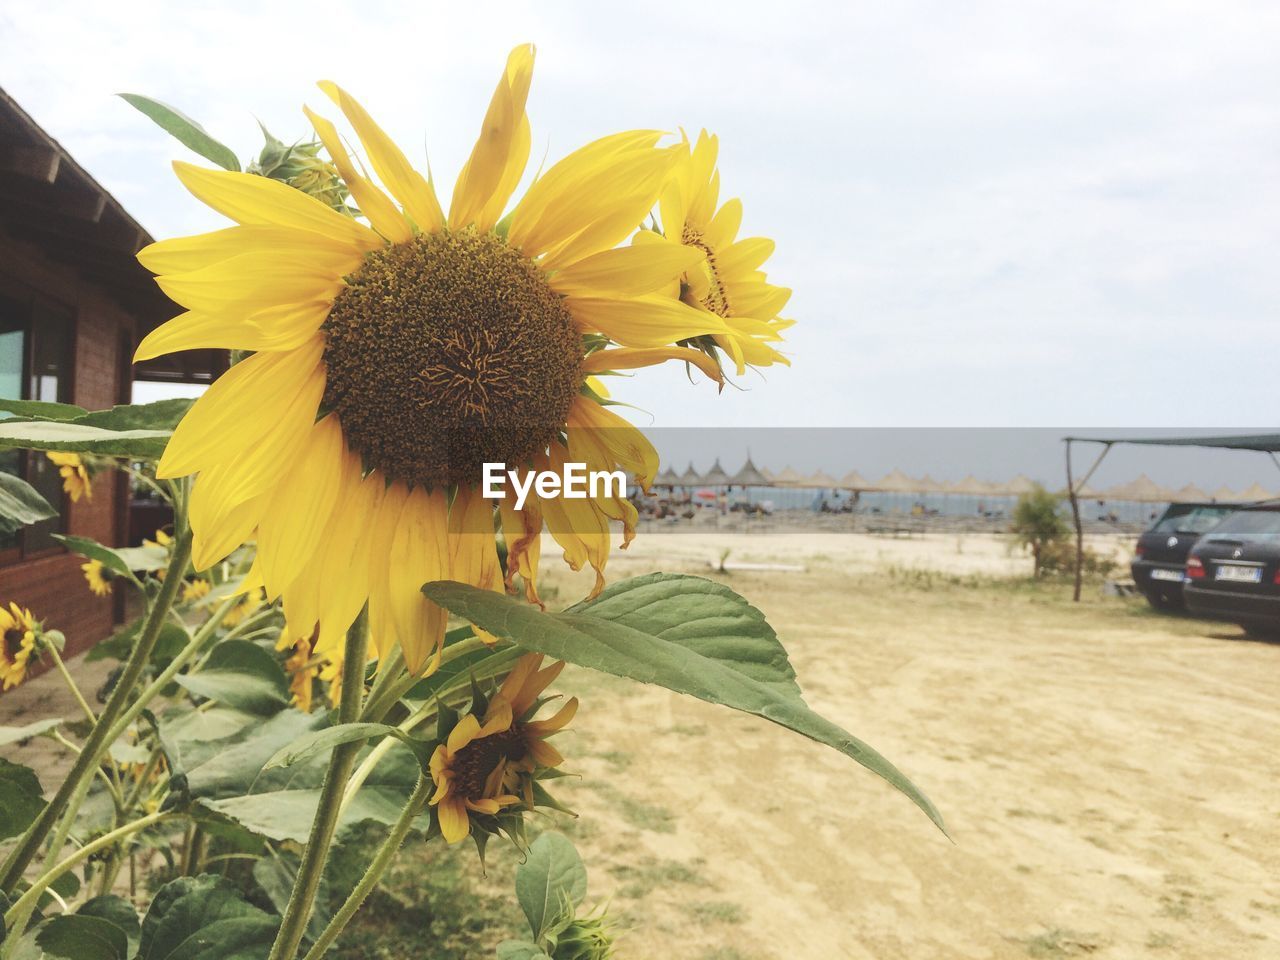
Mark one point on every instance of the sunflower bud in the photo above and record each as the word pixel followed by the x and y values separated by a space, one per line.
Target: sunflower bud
pixel 300 166
pixel 586 938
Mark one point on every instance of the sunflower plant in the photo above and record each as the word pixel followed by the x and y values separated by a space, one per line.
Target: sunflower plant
pixel 342 625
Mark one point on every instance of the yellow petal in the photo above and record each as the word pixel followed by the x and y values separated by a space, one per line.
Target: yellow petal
pixel 273 328
pixel 743 256
pixel 566 198
pixel 627 271
pixel 252 281
pixel 299 511
pixel 382 626
pixel 244 405
pixel 473 554
pixel 373 203
pixel 342 573
pixel 624 443
pixel 403 182
pixel 501 152
pixel 522 530
pixel 561 720
pixel 463 732
pixel 544 754
pixel 650 321
pixel 185 254
pixel 629 358
pixel 419 555
pixel 251 200
pixel 454 824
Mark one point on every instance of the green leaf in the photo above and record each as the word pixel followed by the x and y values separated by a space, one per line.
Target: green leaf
pixel 185 130
pixel 18 734
pixel 204 918
pixel 702 615
pixel 287 814
pixel 92 549
pixel 615 648
pixel 242 675
pixel 79 438
pixel 119 645
pixel 21 504
pixel 41 409
pixel 550 884
pixel 234 767
pixel 116 910
pixel 276 875
pixel 21 798
pixel 520 950
pixel 322 741
pixel 157 415
pixel 80 937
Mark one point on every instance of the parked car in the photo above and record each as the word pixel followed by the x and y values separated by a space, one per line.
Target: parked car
pixel 1233 572
pixel 1160 558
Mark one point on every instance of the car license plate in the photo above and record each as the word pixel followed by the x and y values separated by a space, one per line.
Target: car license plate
pixel 1174 576
pixel 1239 574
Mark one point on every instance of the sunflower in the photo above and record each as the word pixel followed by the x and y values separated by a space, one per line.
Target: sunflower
pixel 251 601
pixel 302 669
pixel 97 581
pixel 162 541
pixel 728 282
pixel 196 589
pixel 75 476
pixel 484 760
pixel 17 644
pixel 390 360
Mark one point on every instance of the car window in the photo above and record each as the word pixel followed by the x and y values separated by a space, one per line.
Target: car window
pixel 1250 521
pixel 1195 520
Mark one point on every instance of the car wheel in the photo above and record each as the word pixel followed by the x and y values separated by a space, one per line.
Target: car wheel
pixel 1164 602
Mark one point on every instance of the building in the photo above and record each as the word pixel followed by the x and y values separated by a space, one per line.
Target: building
pixel 73 304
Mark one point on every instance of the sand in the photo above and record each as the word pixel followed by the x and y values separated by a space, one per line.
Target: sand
pixel 1109 775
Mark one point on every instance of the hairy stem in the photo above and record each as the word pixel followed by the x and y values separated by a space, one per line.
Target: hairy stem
pixel 377 867
pixel 325 824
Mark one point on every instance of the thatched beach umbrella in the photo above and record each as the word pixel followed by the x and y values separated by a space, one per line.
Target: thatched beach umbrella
pixel 820 481
pixel 1190 494
pixel 788 478
pixel 667 478
pixel 749 476
pixel 691 477
pixel 1019 485
pixel 895 481
pixel 716 477
pixel 1141 490
pixel 853 480
pixel 1225 494
pixel 1256 491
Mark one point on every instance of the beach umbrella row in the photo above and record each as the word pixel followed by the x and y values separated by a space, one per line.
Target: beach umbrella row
pixel 1140 490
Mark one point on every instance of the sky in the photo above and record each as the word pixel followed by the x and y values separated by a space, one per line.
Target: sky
pixel 992 214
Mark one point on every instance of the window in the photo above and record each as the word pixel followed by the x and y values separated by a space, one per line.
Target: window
pixel 36 340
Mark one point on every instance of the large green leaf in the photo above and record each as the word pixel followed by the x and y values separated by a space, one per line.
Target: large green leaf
pixel 323 741
pixel 242 675
pixel 276 875
pixel 204 918
pixel 21 504
pixel 287 814
pixel 183 129
pixel 116 910
pixel 79 937
pixel 702 615
pixel 41 409
pixel 119 645
pixel 92 549
pixel 551 884
pixel 520 950
pixel 21 798
pixel 81 438
pixel 234 767
pixel 616 648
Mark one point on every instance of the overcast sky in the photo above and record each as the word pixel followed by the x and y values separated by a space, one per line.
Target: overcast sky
pixel 991 213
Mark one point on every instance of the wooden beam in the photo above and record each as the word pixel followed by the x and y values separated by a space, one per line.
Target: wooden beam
pixel 39 163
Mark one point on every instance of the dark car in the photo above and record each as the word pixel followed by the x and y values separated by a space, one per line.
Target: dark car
pixel 1233 572
pixel 1161 553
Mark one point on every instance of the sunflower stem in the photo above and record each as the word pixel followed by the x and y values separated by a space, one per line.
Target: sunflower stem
pixel 377 867
pixel 71 683
pixel 98 741
pixel 341 761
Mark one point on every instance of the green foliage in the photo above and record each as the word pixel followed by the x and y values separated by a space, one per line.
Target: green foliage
pixel 642 640
pixel 21 798
pixel 1038 522
pixel 37 729
pixel 136 431
pixel 550 885
pixel 241 675
pixel 111 559
pixel 1059 559
pixel 204 918
pixel 80 937
pixel 183 129
pixel 21 504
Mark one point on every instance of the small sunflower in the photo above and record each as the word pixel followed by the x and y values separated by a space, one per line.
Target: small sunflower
pixel 18 631
pixel 75 476
pixel 96 578
pixel 484 761
pixel 391 360
pixel 196 589
pixel 728 282
pixel 162 541
pixel 249 604
pixel 302 669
